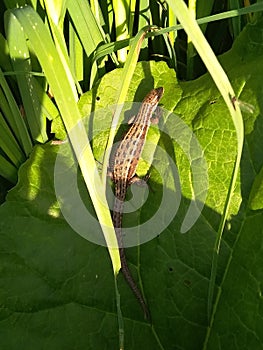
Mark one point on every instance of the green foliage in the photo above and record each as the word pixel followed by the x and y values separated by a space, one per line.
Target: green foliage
pixel 57 289
pixel 71 278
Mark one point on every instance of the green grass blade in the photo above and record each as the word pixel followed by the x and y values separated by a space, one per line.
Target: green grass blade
pixel 233 13
pixel 64 93
pixel 8 170
pixel 15 119
pixel 108 19
pixel 89 32
pixel 76 54
pixel 9 144
pixel 48 109
pixel 56 11
pixel 56 16
pixel 109 48
pixel 190 46
pixel 221 80
pixel 204 8
pixel 145 16
pixel 4 54
pixel 121 11
pixel 132 9
pixel 21 62
pixel 236 21
pixel 4 105
pixel 172 22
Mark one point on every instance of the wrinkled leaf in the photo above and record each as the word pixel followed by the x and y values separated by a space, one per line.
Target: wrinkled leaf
pixel 57 289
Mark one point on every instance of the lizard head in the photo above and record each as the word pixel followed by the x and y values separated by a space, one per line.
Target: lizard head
pixel 154 96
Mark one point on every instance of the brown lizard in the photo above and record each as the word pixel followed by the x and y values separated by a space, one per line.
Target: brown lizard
pixel 124 169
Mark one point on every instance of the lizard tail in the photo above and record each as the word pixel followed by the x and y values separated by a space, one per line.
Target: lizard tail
pixel 117 220
pixel 127 275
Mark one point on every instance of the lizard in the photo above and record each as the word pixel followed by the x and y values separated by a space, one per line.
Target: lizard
pixel 125 163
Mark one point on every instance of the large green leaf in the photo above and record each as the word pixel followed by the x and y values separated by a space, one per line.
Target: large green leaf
pixel 57 289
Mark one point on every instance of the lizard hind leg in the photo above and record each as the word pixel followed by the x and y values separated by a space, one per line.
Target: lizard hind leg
pixel 141 182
